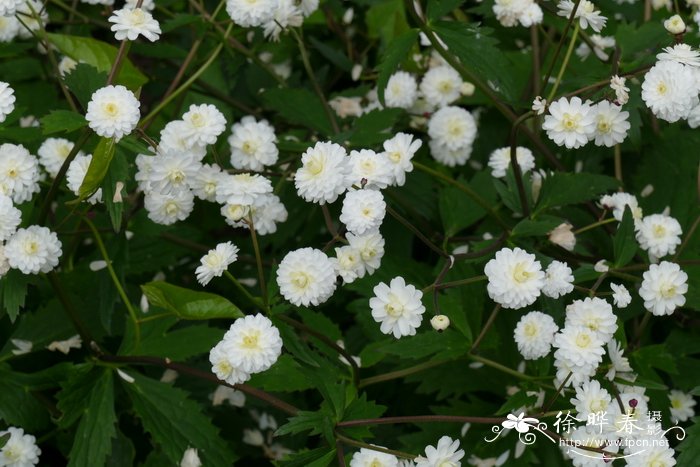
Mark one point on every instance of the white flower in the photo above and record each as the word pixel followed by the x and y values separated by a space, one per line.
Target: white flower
pixel 216 261
pixel 447 156
pixel 681 53
pixel 324 174
pixel 363 211
pixel 249 13
pixel 4 264
pixel 113 111
pixel 681 406
pixel 148 5
pixel 660 455
pixel 670 90
pixel 7 100
pixel 558 280
pixel 674 25
pixel 172 171
pixel 371 248
pixel 174 138
pixel 539 105
pixel 73 342
pixel 534 335
pixel 8 7
pixel 266 213
pixel 399 151
pixel 595 314
pixel 453 127
pixel 222 366
pixel 570 123
pixel 499 160
pixel 369 458
pixel 204 123
pixel 620 363
pixel 253 144
pixel 306 277
pixel 586 14
pixel 243 189
pixel 590 399
pixel 348 263
pixel 76 174
pixel 617 84
pixel 22 346
pixel 144 166
pixel 600 43
pixel 20 450
pixel 34 14
pixel 286 14
pixel 445 454
pixel 52 153
pixel 10 218
pixel 440 322
pixel 589 436
pixel 346 106
pixel 659 235
pixel 397 307
pixel 204 182
pixel 19 172
pixel 618 201
pixel 166 209
pixel 9 26
pixel 252 343
pixel 663 288
pixel 515 278
pixel 129 23
pixel 401 90
pixel 579 349
pixel 369 169
pixel 226 394
pixel 509 12
pixel 190 458
pixel 532 14
pixel 621 296
pixel 33 250
pixel 611 124
pixel 563 236
pixel 441 85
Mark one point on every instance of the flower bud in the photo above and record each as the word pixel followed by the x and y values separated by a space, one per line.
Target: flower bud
pixel 440 322
pixel 675 25
pixel 563 236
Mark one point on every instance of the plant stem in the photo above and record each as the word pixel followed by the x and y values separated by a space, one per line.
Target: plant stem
pixel 254 300
pixel 514 161
pixel 464 188
pixel 215 53
pixel 618 165
pixel 688 236
pixel 360 444
pixel 401 373
pixel 259 264
pixel 115 280
pixel 498 366
pixel 569 21
pixel 457 283
pixel 416 232
pixel 485 329
pixel 421 419
pixel 565 63
pixel 594 225
pixel 117 65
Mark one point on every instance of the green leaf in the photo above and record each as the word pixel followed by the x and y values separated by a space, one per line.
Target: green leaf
pixel 396 53
pixel 179 344
pixel 303 421
pixel 118 172
pixel 333 54
pixel 4 439
pixel 100 55
pixel 542 226
pixel 561 189
pixel 386 19
pixel 101 160
pixel 83 81
pixel 517 401
pixel 359 409
pixel 690 447
pixel 189 304
pixel 284 376
pixel 14 291
pixel 18 406
pixel 59 121
pixel 93 440
pixel 458 210
pixel 656 356
pixel 175 422
pixel 624 243
pixel 439 8
pixel 299 106
pixel 318 457
pixel 372 128
pixel 428 343
pixel 477 51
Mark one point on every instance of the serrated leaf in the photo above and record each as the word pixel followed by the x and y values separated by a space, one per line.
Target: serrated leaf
pixel 428 343
pixel 371 128
pixel 59 121
pixel 18 406
pixel 439 8
pixel 533 228
pixel 189 304
pixel 83 81
pixel 561 189
pixel 690 447
pixel 323 455
pixel 624 243
pixel 299 106
pixel 396 52
pixel 458 210
pixel 93 440
pixel 284 376
pixel 118 172
pixel 333 54
pixel 517 401
pixel 179 344
pixel 175 422
pixel 301 422
pixel 14 291
pixel 100 55
pixel 99 165
pixel 359 409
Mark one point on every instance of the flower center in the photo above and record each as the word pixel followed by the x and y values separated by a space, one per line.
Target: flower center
pixel 300 279
pixel 676 404
pixel 315 166
pixel 177 176
pixel 197 120
pixel 31 247
pixel 598 405
pixel 520 274
pixel 213 260
pixel 137 17
pixel 171 208
pixel 454 128
pixel 661 88
pixel 111 109
pixel 583 340
pixel 659 231
pixel 249 148
pixel 12 453
pixel 237 211
pixel 224 367
pixel 394 309
pixel 530 330
pixel 251 341
pixel 368 254
pixel 395 156
pixel 570 122
pixel 12 173
pixel 366 211
pixel 444 87
pixel 667 290
pixel 210 188
pixel 604 126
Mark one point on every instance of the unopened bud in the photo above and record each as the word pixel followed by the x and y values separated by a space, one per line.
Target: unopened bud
pixel 440 322
pixel 675 25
